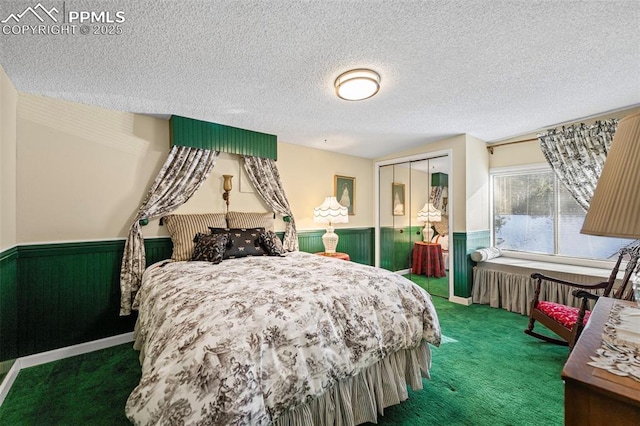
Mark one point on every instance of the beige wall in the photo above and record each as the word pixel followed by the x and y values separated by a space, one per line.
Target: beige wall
pixel 82 172
pixel 208 198
pixel 477 184
pixel 8 102
pixel 516 154
pixel 308 177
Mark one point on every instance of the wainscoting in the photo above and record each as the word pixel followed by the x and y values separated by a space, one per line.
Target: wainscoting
pixel 8 304
pixel 359 243
pixel 68 294
pixel 57 295
pixel 398 242
pixel 464 243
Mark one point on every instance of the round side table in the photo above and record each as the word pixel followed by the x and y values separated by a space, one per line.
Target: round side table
pixel 337 255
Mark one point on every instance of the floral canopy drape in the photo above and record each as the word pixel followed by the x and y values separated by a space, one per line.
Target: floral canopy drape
pixel 264 176
pixel 181 175
pixel 577 154
pixel 436 197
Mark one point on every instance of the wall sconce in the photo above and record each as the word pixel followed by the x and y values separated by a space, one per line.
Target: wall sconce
pixel 226 185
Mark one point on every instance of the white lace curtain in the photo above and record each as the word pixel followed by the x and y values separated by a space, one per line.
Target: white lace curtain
pixel 577 154
pixel 181 175
pixel 264 176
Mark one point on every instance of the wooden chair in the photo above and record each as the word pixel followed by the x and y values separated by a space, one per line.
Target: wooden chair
pixel 568 322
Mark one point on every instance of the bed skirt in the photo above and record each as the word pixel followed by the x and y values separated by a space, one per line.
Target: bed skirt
pixel 359 399
pixel 511 287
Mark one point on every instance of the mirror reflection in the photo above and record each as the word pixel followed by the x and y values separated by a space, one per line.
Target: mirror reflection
pixel 414 222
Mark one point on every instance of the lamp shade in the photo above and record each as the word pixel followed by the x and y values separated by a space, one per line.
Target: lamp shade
pixel 614 210
pixel 331 212
pixel 429 213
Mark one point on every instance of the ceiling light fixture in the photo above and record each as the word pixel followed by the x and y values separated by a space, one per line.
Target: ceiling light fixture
pixel 357 85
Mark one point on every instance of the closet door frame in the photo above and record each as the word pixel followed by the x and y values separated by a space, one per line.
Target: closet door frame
pixel 450 206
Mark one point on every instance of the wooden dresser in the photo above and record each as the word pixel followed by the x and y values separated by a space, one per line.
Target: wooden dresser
pixel 594 396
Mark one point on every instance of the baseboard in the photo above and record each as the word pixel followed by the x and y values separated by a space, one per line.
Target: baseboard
pixel 56 355
pixel 8 380
pixel 466 301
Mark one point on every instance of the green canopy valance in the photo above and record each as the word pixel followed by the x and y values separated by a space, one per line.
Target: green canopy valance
pixel 217 137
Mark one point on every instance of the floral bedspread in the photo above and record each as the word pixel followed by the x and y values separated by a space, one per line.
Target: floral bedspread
pixel 242 341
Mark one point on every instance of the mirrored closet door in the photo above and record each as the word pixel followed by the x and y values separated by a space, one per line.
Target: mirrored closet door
pixel 413 221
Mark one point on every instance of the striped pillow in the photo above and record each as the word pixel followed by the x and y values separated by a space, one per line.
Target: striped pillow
pixel 184 227
pixel 250 220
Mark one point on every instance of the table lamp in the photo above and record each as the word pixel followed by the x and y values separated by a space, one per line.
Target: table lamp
pixel 614 210
pixel 330 212
pixel 428 214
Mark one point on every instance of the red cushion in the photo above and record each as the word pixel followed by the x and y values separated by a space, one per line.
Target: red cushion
pixel 565 315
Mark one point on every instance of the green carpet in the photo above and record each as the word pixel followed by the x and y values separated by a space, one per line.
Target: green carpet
pixel 89 389
pixel 435 286
pixel 486 372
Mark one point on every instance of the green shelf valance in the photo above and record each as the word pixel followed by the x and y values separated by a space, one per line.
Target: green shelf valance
pixel 217 137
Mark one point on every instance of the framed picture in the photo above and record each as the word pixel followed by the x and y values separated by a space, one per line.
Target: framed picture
pixel 397 197
pixel 344 188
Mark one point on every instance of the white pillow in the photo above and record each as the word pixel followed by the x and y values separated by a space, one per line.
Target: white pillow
pixel 184 227
pixel 443 240
pixel 483 254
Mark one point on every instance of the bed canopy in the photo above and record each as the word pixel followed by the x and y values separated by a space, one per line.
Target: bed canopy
pixel 196 146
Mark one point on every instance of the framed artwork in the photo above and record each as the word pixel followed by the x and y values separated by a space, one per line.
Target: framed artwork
pixel 344 189
pixel 397 197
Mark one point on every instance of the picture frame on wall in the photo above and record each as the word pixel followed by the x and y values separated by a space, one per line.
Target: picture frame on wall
pixel 397 197
pixel 344 189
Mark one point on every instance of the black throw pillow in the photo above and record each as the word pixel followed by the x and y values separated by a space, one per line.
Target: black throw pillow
pixel 271 243
pixel 209 247
pixel 242 242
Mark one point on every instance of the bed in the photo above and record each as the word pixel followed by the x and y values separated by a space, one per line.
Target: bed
pixel 284 340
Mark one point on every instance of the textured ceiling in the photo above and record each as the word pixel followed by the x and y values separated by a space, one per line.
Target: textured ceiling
pixel 493 69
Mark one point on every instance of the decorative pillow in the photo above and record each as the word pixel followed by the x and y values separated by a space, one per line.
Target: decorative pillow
pixel 481 255
pixel 183 228
pixel 242 242
pixel 243 220
pixel 271 243
pixel 209 247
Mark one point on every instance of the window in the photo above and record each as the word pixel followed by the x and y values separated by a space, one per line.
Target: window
pixel 533 212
